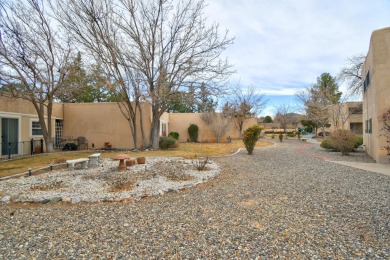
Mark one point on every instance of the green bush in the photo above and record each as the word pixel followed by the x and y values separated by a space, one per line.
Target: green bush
pixel 343 141
pixel 193 133
pixel 174 135
pixel 358 141
pixel 281 137
pixel 291 134
pixel 167 142
pixel 250 137
pixel 325 144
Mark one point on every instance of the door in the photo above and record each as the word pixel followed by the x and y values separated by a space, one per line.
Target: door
pixel 9 134
pixel 58 138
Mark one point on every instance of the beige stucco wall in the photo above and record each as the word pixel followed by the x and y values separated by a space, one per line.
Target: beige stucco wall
pixel 102 122
pixel 343 109
pixel 25 112
pixel 376 100
pixel 179 122
pixel 24 107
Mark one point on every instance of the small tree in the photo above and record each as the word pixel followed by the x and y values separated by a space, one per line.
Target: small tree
pixel 268 119
pixel 243 104
pixel 218 122
pixel 385 119
pixel 193 131
pixel 250 137
pixel 343 141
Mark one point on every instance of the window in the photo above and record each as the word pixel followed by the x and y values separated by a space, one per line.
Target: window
pixel 368 126
pixel 366 82
pixel 356 110
pixel 36 128
pixel 357 128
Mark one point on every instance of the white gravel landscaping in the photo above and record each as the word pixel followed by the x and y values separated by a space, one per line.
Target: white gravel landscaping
pixel 105 183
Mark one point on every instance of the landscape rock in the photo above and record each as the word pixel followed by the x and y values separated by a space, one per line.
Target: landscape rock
pixel 55 199
pixel 5 199
pixel 75 200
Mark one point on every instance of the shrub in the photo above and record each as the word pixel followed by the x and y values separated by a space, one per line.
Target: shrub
pixel 250 137
pixel 321 133
pixel 281 137
pixel 342 140
pixel 200 163
pixel 358 141
pixel 291 134
pixel 174 135
pixel 167 142
pixel 299 134
pixel 193 133
pixel 326 145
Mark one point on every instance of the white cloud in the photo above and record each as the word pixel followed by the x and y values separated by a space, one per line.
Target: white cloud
pixel 285 45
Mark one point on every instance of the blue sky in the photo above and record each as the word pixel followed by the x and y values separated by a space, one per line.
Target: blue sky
pixel 282 46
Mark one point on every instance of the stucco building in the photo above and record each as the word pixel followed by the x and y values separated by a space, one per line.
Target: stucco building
pixel 376 94
pixel 97 122
pixel 347 115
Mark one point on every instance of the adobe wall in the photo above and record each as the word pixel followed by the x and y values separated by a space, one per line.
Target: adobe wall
pixel 21 106
pixel 352 118
pixel 102 122
pixel 24 110
pixel 179 122
pixel 376 100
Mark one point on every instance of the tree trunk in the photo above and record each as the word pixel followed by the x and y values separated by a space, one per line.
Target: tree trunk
pixel 155 132
pixel 323 132
pixel 241 124
pixel 49 138
pixel 142 128
pixel 134 132
pixel 46 128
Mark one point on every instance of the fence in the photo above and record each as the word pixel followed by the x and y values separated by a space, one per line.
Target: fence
pixel 20 149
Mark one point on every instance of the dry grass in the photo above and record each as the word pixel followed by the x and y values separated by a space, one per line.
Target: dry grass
pixel 185 150
pixel 121 185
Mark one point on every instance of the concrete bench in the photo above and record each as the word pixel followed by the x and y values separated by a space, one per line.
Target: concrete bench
pixel 82 161
pixel 94 159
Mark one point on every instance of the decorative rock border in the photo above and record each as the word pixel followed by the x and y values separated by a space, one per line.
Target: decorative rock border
pixel 154 185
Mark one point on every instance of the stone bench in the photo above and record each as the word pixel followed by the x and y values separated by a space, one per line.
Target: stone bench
pixel 94 159
pixel 82 161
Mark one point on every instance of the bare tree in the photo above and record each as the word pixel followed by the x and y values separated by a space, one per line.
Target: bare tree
pixel 34 58
pixel 218 123
pixel 285 116
pixel 340 112
pixel 95 26
pixel 244 103
pixel 351 74
pixel 163 46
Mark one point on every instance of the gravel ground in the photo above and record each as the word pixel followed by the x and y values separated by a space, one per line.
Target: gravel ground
pixel 104 183
pixel 282 202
